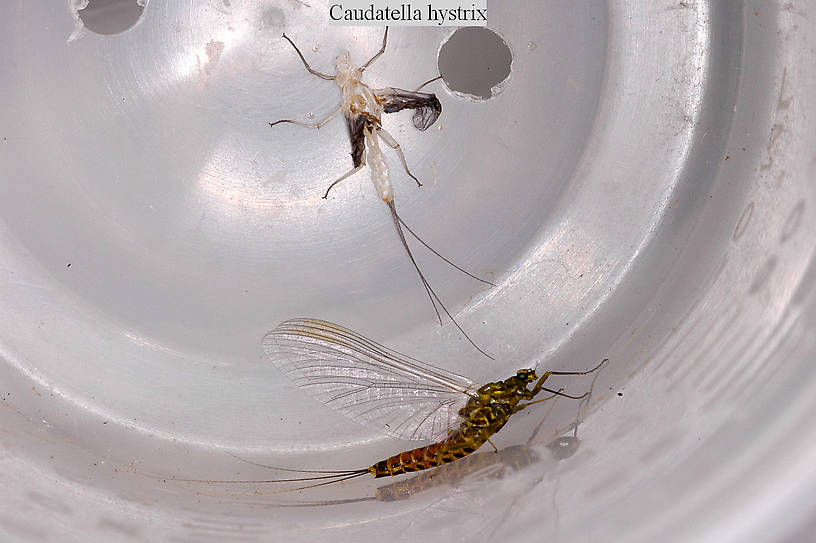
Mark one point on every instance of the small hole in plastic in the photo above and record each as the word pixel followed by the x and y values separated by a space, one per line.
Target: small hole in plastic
pixel 111 16
pixel 476 62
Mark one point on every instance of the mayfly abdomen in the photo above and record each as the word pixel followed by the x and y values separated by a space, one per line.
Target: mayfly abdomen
pixel 429 456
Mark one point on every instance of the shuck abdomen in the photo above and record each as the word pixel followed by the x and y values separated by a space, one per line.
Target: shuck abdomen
pixel 379 168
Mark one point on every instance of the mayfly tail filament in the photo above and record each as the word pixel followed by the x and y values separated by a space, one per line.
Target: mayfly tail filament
pixel 329 477
pixel 398 223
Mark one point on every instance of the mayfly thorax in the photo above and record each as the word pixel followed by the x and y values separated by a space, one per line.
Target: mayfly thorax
pixel 398 395
pixel 363 108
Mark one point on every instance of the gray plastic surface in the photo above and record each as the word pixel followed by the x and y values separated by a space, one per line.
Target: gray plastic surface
pixel 641 189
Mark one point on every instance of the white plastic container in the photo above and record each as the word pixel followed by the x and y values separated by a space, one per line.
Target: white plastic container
pixel 641 188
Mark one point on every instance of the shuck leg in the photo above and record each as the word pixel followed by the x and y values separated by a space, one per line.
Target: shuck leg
pixel 316 125
pixel 379 53
pixel 419 88
pixel 392 143
pixel 343 177
pixel 311 71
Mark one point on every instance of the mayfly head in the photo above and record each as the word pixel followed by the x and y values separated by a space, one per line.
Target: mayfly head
pixel 511 388
pixel 347 72
pixel 528 375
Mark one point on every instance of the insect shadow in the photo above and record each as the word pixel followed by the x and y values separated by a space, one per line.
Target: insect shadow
pixel 363 108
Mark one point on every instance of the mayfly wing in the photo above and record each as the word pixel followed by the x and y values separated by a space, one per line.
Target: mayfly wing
pixel 369 383
pixel 426 106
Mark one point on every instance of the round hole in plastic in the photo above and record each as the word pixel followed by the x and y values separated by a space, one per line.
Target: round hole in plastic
pixel 109 16
pixel 647 178
pixel 475 61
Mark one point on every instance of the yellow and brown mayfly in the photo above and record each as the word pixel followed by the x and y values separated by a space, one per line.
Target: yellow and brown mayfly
pixel 399 395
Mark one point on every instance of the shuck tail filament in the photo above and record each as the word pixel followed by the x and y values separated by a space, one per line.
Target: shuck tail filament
pixel 435 300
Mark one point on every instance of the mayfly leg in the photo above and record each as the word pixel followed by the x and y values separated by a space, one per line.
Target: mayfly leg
pixel 539 386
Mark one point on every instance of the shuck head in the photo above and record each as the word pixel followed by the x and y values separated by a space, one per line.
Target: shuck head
pixel 346 70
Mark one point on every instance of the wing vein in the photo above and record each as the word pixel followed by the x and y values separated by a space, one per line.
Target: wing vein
pixel 368 382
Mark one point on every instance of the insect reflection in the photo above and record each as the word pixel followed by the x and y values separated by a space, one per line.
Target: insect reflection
pixel 401 396
pixel 363 108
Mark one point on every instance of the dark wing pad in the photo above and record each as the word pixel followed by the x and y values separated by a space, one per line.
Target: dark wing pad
pixel 356 129
pixel 426 106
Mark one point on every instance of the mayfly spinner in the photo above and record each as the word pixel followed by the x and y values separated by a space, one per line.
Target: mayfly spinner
pixel 478 466
pixel 399 395
pixel 363 108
